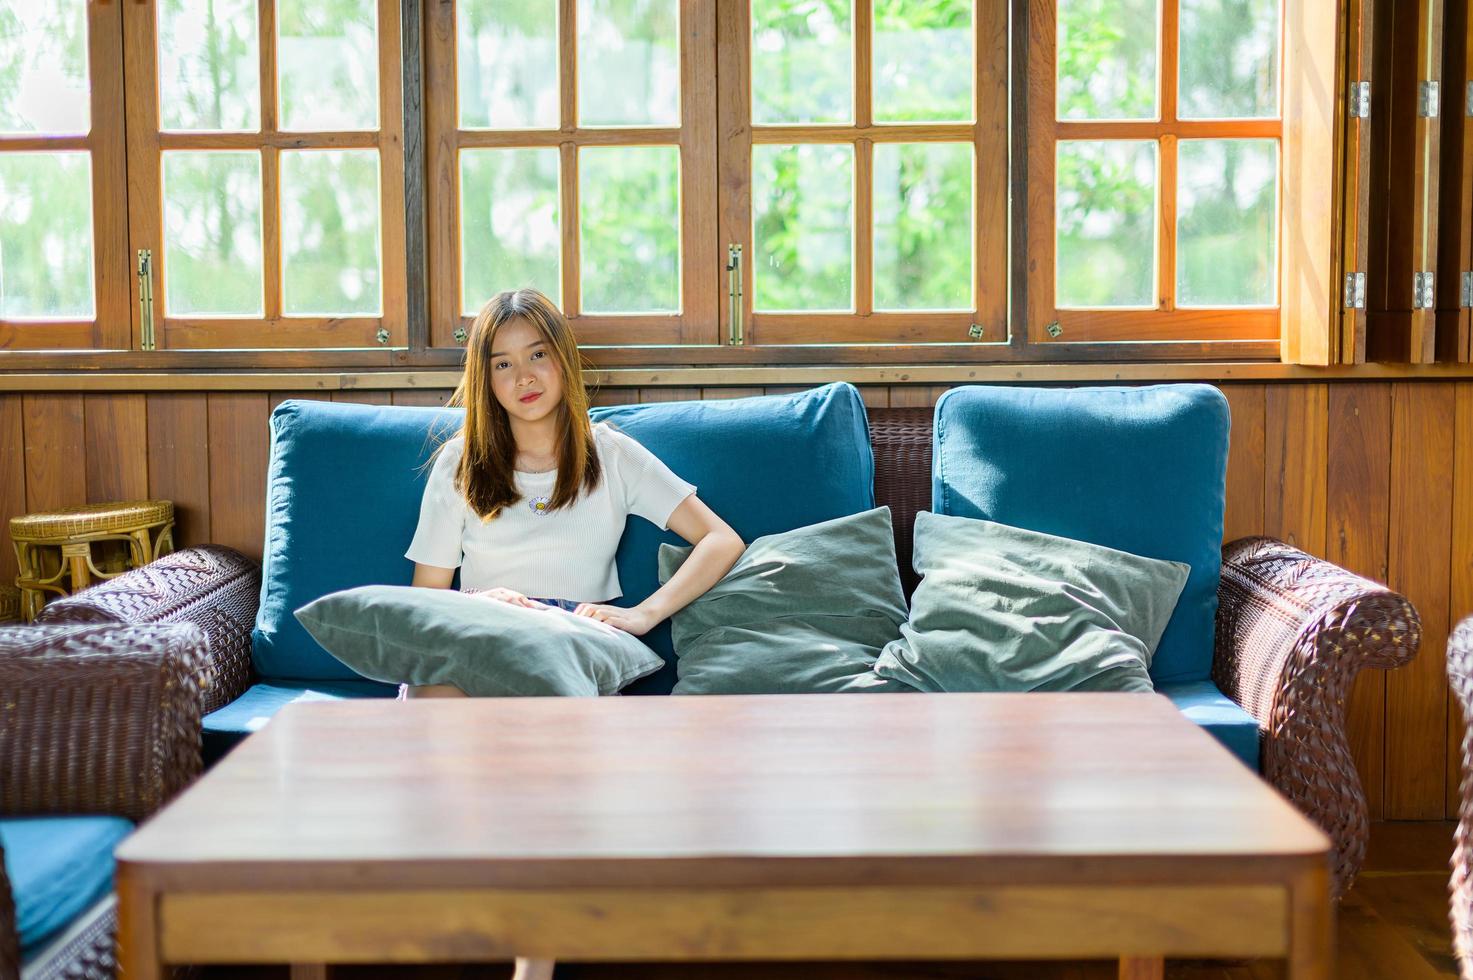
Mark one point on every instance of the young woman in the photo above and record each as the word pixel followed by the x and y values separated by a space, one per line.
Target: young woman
pixel 529 499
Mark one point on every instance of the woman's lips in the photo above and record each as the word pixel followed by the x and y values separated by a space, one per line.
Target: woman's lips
pixel 528 399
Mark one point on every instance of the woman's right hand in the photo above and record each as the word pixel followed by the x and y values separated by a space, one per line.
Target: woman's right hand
pixel 515 598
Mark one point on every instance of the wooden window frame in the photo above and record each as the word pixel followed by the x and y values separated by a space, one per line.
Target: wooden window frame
pixel 1047 324
pixel 146 144
pixel 695 138
pixel 987 134
pixel 108 328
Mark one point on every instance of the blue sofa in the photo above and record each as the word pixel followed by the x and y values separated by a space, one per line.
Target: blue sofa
pixel 100 728
pixel 1261 651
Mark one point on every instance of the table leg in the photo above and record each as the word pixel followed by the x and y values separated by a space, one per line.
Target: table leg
pixel 138 934
pixel 1142 967
pixel 528 969
pixel 309 971
pixel 1311 927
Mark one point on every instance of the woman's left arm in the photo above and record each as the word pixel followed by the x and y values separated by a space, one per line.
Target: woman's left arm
pixel 717 548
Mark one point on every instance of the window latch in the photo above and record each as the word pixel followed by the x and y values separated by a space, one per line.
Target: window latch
pixel 734 293
pixel 145 298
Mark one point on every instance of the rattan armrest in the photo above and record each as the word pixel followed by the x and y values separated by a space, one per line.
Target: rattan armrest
pixel 98 719
pixel 214 587
pixel 1292 633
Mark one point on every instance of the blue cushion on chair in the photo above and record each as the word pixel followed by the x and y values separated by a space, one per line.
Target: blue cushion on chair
pixel 1204 704
pixel 764 465
pixel 342 501
pixel 58 867
pixel 1141 470
pixel 225 727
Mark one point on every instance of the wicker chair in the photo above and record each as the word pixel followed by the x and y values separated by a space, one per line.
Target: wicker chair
pixel 96 720
pixel 1292 633
pixel 1460 678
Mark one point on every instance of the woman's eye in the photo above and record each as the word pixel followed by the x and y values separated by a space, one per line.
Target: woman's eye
pixel 539 353
pixel 501 364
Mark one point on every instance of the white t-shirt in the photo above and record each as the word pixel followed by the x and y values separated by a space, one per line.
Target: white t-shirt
pixel 555 554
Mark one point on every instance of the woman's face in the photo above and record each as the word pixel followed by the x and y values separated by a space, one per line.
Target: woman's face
pixel 525 376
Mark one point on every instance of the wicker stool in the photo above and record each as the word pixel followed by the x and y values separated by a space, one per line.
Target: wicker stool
pixel 55 553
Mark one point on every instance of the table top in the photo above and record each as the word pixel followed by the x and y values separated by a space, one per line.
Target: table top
pixel 764 790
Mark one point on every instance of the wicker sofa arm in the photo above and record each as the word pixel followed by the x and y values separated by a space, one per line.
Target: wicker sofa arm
pixel 98 719
pixel 214 587
pixel 1292 633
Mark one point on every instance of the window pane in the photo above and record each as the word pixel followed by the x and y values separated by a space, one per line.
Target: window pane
pixel 1108 53
pixel 209 65
pixel 330 233
pixel 507 60
pixel 212 233
pixel 803 227
pixel 923 226
pixel 327 57
pixel 629 228
pixel 923 61
pixel 43 68
pixel 628 63
pixel 46 236
pixel 1227 222
pixel 1106 244
pixel 802 61
pixel 1229 59
pixel 510 236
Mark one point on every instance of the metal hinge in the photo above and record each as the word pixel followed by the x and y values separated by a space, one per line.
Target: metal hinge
pixel 1467 300
pixel 145 298
pixel 459 334
pixel 1468 102
pixel 1360 100
pixel 975 331
pixel 734 292
pixel 1355 290
pixel 1424 291
pixel 382 336
pixel 1428 99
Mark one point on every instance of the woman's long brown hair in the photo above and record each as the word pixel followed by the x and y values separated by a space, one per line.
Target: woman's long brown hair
pixel 485 476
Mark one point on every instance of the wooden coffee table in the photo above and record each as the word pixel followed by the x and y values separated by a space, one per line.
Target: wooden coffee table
pixel 965 826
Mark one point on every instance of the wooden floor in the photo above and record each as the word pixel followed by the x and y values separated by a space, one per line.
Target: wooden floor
pixel 1392 926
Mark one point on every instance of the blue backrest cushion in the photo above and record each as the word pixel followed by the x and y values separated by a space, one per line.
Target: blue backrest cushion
pixel 766 464
pixel 1141 470
pixel 345 482
pixel 343 491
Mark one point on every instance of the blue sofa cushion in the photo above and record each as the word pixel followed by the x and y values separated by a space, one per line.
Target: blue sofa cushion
pixel 58 867
pixel 1204 704
pixel 226 726
pixel 1141 470
pixel 342 499
pixel 765 465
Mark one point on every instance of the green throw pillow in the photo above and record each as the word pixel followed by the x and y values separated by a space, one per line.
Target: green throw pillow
pixel 1004 609
pixel 803 611
pixel 488 648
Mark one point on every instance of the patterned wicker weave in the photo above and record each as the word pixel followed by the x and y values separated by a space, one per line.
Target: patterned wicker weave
pixel 76 522
pixel 213 587
pixel 1292 633
pixel 95 719
pixel 901 438
pixel 1460 677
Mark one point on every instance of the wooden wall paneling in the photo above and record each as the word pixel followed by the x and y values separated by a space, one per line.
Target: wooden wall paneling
pixel 1358 500
pixel 239 447
pixel 179 461
pixel 613 396
pixel 1355 186
pixel 429 398
pixel 1244 511
pixel 117 447
pixel 669 394
pixel 875 396
pixel 311 395
pixel 1294 461
pixel 732 392
pixel 1460 577
pixel 357 397
pixel 12 480
pixel 55 439
pixel 1418 562
pixel 911 396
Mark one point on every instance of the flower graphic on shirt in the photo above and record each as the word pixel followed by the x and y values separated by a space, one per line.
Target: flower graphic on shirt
pixel 539 505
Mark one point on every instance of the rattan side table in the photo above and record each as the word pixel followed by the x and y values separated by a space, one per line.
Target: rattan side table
pixel 55 553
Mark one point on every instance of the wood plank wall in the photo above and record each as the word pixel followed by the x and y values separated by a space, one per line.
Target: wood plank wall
pixel 1377 476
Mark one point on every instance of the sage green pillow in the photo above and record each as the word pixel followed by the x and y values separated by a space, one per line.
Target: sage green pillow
pixel 804 611
pixel 1005 609
pixel 401 634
